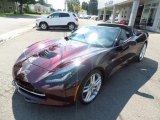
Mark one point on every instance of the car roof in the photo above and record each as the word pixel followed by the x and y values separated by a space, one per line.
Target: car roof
pixel 125 27
pixel 60 12
pixel 64 12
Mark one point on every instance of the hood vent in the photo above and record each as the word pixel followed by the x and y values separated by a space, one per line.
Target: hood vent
pixel 47 54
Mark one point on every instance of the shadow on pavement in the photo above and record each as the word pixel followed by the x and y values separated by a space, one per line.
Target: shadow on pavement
pixel 114 95
pixel 54 30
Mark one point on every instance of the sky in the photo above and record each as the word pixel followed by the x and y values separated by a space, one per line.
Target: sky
pixel 59 4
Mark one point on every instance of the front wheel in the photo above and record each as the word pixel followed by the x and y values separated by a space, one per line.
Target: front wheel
pixel 142 53
pixel 90 87
pixel 43 26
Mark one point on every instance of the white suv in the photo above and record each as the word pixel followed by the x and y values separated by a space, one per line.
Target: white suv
pixel 58 19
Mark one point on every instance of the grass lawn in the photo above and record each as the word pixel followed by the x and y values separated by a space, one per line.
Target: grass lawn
pixel 12 15
pixel 8 14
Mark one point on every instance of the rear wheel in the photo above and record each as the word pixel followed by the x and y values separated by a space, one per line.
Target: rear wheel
pixel 71 26
pixel 90 87
pixel 140 57
pixel 43 26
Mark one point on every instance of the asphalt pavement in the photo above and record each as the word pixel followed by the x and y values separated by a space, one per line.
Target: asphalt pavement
pixel 132 93
pixel 15 22
pixel 15 25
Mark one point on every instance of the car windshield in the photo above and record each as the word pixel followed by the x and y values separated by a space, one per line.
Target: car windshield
pixel 96 35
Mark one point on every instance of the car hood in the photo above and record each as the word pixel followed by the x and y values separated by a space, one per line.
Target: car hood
pixel 51 53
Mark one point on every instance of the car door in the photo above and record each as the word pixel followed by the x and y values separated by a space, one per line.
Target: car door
pixel 54 19
pixel 123 46
pixel 65 18
pixel 121 52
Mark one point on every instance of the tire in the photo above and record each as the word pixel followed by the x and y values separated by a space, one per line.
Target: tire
pixel 44 26
pixel 71 26
pixel 141 54
pixel 89 89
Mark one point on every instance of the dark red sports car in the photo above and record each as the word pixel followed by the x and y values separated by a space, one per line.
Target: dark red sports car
pixel 63 71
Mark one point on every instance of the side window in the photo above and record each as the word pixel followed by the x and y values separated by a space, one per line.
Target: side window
pixel 135 31
pixel 64 15
pixel 55 15
pixel 122 36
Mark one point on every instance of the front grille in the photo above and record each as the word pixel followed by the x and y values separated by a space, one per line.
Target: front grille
pixel 28 87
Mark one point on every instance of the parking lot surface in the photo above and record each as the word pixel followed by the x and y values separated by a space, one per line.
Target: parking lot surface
pixel 132 93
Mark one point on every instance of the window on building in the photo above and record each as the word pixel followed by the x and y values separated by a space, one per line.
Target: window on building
pixel 154 5
pixel 10 8
pixel 158 26
pixel 149 14
pixel 151 17
pixel 122 14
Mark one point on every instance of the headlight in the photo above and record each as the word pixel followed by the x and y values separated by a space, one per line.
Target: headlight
pixel 61 75
pixel 65 73
pixel 59 78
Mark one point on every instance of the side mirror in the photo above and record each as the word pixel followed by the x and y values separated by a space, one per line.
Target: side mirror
pixel 137 33
pixel 121 42
pixel 124 44
pixel 66 38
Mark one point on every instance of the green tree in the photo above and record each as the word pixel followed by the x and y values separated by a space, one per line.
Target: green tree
pixel 24 2
pixel 92 7
pixel 42 2
pixel 84 6
pixel 72 5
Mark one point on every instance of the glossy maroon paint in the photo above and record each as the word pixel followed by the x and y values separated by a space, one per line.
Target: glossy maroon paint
pixel 33 67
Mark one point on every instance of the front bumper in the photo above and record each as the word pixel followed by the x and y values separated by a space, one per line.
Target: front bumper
pixel 35 96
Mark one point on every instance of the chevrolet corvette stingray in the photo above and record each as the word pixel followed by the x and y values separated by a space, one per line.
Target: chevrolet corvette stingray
pixel 72 69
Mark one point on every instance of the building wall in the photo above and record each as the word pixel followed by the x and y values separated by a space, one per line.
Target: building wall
pixel 31 7
pixel 7 6
pixel 124 7
pixel 109 3
pixel 124 13
pixel 101 4
pixel 39 8
pixel 146 14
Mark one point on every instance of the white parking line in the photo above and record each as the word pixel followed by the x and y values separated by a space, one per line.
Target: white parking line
pixel 10 35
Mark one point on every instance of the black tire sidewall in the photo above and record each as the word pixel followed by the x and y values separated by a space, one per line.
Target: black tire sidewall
pixel 73 25
pixel 45 24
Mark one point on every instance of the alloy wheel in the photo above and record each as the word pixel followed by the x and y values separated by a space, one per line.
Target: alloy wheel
pixel 71 26
pixel 91 87
pixel 142 53
pixel 43 26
